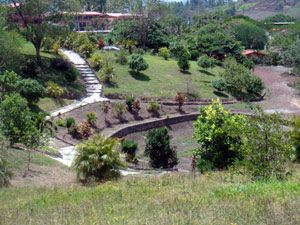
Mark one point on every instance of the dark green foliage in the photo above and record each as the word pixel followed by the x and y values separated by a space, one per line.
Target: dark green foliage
pixel 254 85
pixel 8 82
pixel 129 102
pixel 139 51
pixel 280 18
pixel 194 55
pixel 176 47
pixel 183 60
pixel 137 63
pixel 220 85
pixel 130 148
pixel 295 136
pixel 5 174
pixel 251 36
pixel 29 68
pixel 30 89
pixel 292 55
pixel 213 131
pixel 158 149
pixel 70 122
pixel 206 62
pixel 121 58
pixel 71 75
pixel 60 64
pixel 99 158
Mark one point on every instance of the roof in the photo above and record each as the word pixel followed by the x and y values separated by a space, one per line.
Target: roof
pixel 249 52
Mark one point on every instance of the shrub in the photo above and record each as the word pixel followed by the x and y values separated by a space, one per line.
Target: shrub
pixel 158 149
pixel 100 43
pixel 153 106
pixel 136 105
pixel 295 136
pixel 121 58
pixel 69 122
pixel 47 44
pixel 183 61
pixel 180 100
pixel 53 90
pixel 194 55
pixel 99 158
pixel 137 63
pixel 219 147
pixel 139 51
pixel 96 62
pixel 266 147
pixel 130 148
pixel 60 64
pixel 129 102
pixel 107 74
pixel 60 122
pixel 119 108
pixel 206 62
pixel 91 118
pixel 105 107
pixel 86 49
pixel 220 85
pixel 164 52
pixel 5 174
pixel 74 131
pixel 85 130
pixel 71 75
pixel 176 48
pixel 30 89
pixel 29 68
pixel 254 84
pixel 55 48
pixel 8 82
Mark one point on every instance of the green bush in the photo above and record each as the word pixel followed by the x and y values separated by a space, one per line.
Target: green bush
pixel 164 52
pixel 206 62
pixel 176 48
pixel 194 55
pixel 183 60
pixel 295 136
pixel 54 90
pixel 153 107
pixel 60 122
pixel 99 158
pixel 96 62
pixel 61 64
pixel 129 102
pixel 91 118
pixel 130 148
pixel 254 84
pixel 5 174
pixel 30 89
pixel 69 122
pixel 29 68
pixel 107 74
pixel 137 63
pixel 119 108
pixel 217 132
pixel 220 85
pixel 158 149
pixel 139 51
pixel 8 82
pixel 121 58
pixel 71 75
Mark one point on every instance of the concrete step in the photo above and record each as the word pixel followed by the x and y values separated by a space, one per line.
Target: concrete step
pixel 88 75
pixel 92 82
pixel 94 86
pixel 86 72
pixel 89 78
pixel 83 68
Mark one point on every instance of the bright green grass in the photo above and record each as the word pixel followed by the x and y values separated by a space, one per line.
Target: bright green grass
pixel 162 79
pixel 48 104
pixel 247 6
pixel 168 199
pixel 28 49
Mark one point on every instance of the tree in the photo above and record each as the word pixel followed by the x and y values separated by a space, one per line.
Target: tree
pixel 8 82
pixel 99 158
pixel 251 36
pixel 14 117
pixel 164 52
pixel 219 149
pixel 206 62
pixel 183 60
pixel 158 149
pixel 266 147
pixel 5 174
pixel 30 89
pixel 292 56
pixel 137 63
pixel 94 5
pixel 38 17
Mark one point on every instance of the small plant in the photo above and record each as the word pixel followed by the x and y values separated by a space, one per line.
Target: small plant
pixel 219 85
pixel 164 52
pixel 85 130
pixel 100 43
pixel 139 51
pixel 153 107
pixel 69 122
pixel 137 63
pixel 97 62
pixel 55 48
pixel 180 100
pixel 73 131
pixel 130 148
pixel 129 102
pixel 53 90
pixel 121 58
pixel 60 122
pixel 107 74
pixel 119 108
pixel 158 149
pixel 136 105
pixel 91 118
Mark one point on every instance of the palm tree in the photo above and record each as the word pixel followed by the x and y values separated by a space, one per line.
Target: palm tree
pixel 99 158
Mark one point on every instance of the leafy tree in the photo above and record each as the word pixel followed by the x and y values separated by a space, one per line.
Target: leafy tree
pixel 158 149
pixel 99 158
pixel 254 85
pixel 137 63
pixel 183 60
pixel 251 36
pixel 218 147
pixel 164 52
pixel 220 85
pixel 38 17
pixel 8 82
pixel 30 89
pixel 5 174
pixel 266 147
pixel 206 62
pixel 292 55
pixel 176 47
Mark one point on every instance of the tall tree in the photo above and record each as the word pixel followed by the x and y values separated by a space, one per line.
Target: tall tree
pixel 39 17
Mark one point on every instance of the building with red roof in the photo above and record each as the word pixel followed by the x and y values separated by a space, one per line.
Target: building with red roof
pixel 251 53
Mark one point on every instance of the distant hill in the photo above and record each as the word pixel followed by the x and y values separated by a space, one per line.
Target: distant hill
pixel 260 9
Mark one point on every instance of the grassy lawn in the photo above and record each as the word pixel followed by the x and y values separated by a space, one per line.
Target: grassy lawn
pixel 168 199
pixel 163 79
pixel 48 104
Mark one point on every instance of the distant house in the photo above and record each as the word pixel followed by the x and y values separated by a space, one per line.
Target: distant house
pixel 251 53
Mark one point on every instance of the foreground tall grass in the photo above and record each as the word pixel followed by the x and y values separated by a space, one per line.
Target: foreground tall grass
pixel 168 199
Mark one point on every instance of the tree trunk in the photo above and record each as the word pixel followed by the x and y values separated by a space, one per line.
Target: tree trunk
pixel 37 46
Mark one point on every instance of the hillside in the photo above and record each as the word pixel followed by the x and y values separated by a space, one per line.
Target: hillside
pixel 260 9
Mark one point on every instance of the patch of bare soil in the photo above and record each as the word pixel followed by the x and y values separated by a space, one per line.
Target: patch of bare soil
pixel 281 96
pixel 182 139
pixel 43 176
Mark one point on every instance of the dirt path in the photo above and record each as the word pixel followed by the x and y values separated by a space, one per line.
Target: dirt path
pixel 281 97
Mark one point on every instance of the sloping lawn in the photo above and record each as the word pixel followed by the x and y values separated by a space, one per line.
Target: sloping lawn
pixel 163 79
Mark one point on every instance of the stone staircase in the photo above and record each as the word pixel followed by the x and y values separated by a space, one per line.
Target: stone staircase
pixel 92 83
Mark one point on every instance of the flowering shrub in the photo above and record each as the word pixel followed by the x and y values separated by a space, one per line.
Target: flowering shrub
pixel 85 130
